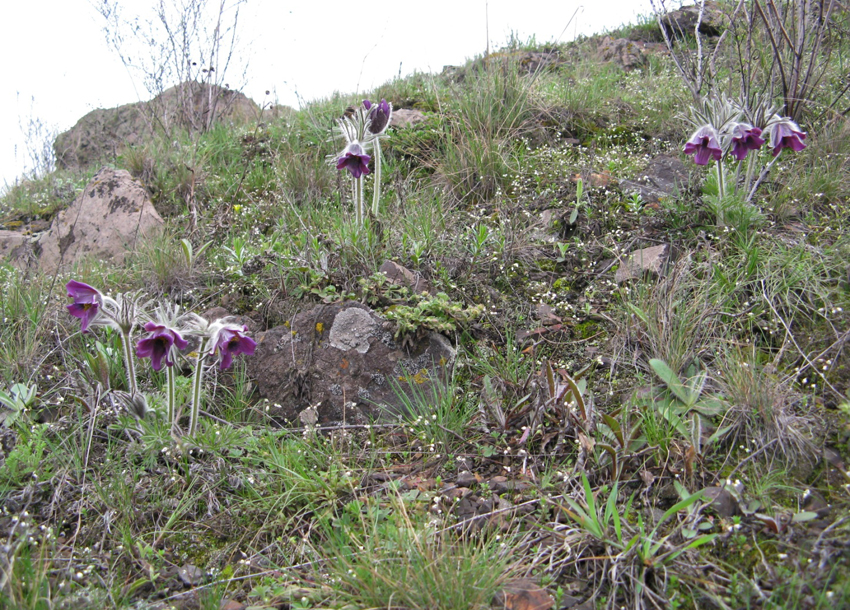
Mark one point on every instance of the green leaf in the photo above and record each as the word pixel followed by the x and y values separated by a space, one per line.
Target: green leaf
pixel 577 395
pixel 641 314
pixel 679 506
pixel 187 251
pixel 704 539
pixel 805 515
pixel 615 428
pixel 588 495
pixel 672 381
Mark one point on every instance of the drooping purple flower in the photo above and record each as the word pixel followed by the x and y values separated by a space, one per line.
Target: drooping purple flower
pixel 703 145
pixel 232 341
pixel 87 303
pixel 159 343
pixel 745 138
pixel 354 159
pixel 785 133
pixel 379 116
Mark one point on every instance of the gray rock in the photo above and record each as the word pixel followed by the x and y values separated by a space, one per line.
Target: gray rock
pixel 109 218
pixel 626 53
pixel 403 117
pixel 664 176
pixel 352 329
pixel 105 133
pixel 191 575
pixel 342 360
pixel 683 22
pixel 722 501
pixel 15 248
pixel 402 276
pixel 650 261
pixel 526 62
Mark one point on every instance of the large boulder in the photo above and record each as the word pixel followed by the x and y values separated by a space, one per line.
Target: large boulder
pixel 106 133
pixel 109 218
pixel 683 22
pixel 342 362
pixel 15 248
pixel 628 54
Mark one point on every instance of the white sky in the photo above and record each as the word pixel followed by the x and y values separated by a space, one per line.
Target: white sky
pixel 57 65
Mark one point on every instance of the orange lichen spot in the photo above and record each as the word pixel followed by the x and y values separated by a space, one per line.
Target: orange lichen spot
pixel 319 327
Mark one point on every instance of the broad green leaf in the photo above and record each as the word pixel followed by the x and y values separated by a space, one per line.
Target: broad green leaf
pixel 805 515
pixel 672 381
pixel 187 251
pixel 615 428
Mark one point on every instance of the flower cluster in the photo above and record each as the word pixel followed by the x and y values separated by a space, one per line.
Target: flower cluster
pixel 724 128
pixel 738 139
pixel 362 129
pixel 165 336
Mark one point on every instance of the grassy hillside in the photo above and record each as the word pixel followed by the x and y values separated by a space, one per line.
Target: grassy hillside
pixel 671 441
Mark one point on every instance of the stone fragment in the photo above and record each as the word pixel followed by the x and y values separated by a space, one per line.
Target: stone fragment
pixel 722 501
pixel 109 218
pixel 402 276
pixel 663 177
pixel 15 248
pixel 650 261
pixel 342 359
pixel 404 117
pixel 627 54
pixel 191 575
pixel 523 594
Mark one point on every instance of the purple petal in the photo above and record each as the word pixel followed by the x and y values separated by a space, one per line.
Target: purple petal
pixel 703 144
pixel 86 312
pixel 232 342
pixel 356 164
pixel 81 293
pixel 86 305
pixel 159 343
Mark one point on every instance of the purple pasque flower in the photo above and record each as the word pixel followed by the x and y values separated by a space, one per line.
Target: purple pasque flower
pixel 704 144
pixel 231 341
pixel 379 116
pixel 354 159
pixel 87 303
pixel 785 133
pixel 745 138
pixel 159 344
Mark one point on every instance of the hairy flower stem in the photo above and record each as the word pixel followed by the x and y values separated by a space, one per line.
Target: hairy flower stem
pixel 127 348
pixel 197 381
pixel 357 196
pixel 361 204
pixel 751 164
pixel 170 414
pixel 721 194
pixel 376 196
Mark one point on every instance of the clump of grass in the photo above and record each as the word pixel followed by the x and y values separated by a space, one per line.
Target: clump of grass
pixel 389 557
pixel 763 409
